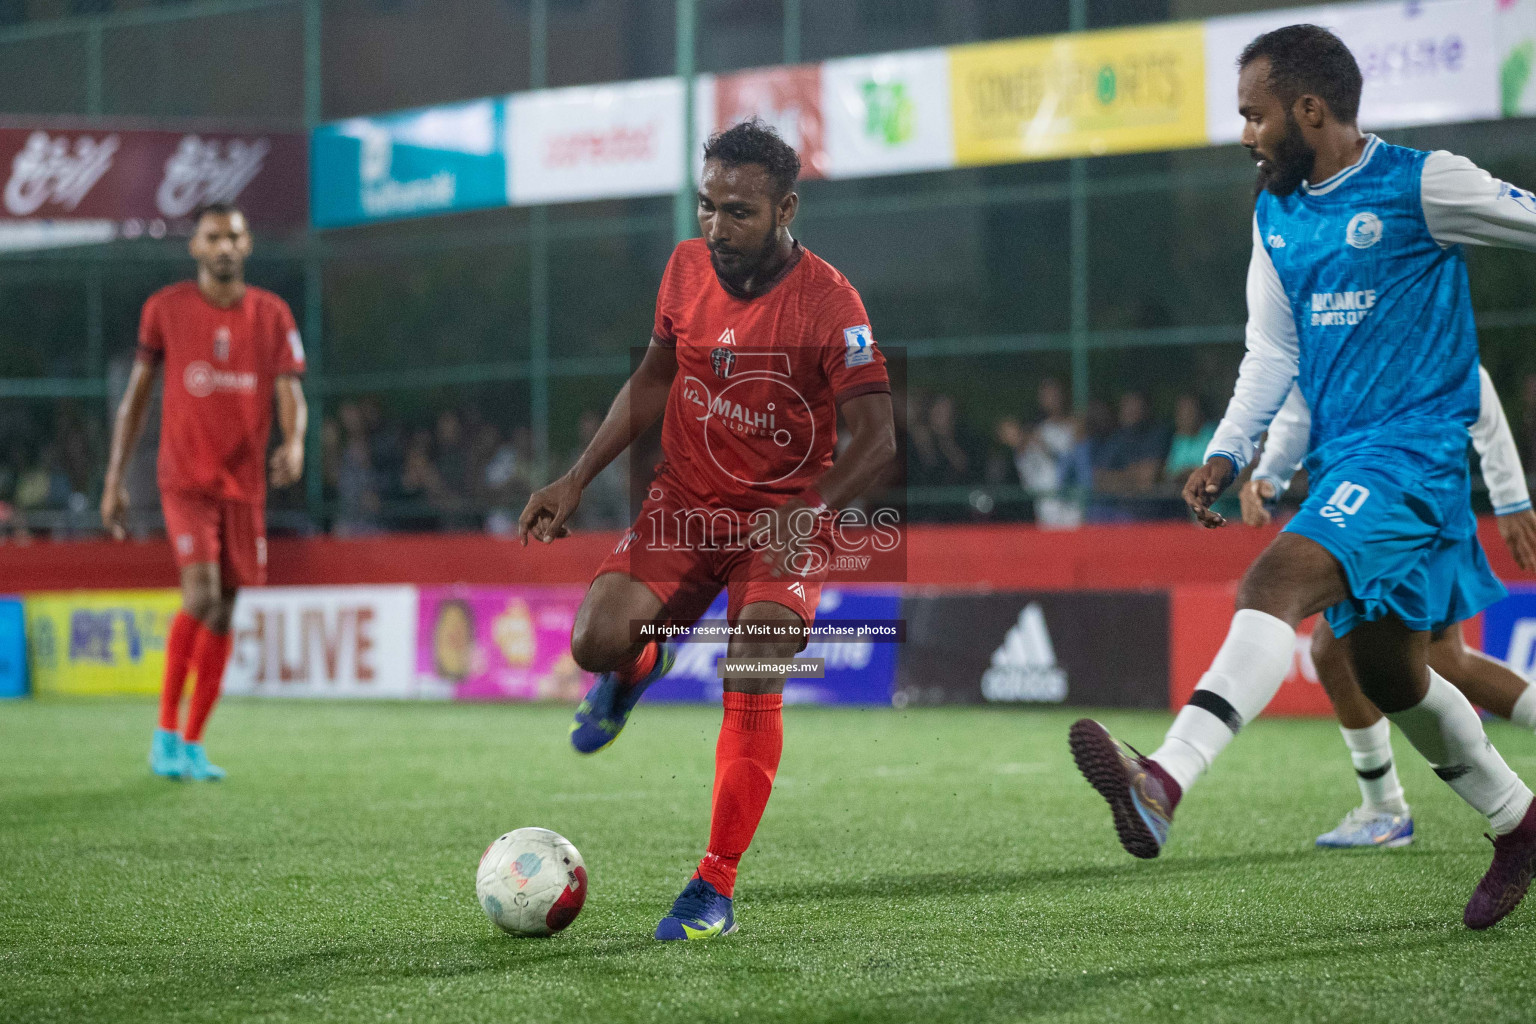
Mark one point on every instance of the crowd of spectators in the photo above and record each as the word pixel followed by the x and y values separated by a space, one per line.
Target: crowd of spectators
pixel 460 470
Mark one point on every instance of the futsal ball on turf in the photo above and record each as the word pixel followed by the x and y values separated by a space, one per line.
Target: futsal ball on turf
pixel 531 882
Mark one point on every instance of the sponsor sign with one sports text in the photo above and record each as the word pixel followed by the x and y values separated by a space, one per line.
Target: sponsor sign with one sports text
pixel 1082 648
pixel 1116 91
pixel 149 182
pixel 498 643
pixel 1423 62
pixel 355 641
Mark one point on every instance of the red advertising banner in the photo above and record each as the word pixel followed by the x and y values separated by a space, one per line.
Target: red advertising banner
pixel 788 98
pixel 1198 618
pixel 150 182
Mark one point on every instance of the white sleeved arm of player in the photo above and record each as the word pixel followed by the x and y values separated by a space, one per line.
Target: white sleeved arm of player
pixel 1465 204
pixel 1269 366
pixel 1495 445
pixel 1285 448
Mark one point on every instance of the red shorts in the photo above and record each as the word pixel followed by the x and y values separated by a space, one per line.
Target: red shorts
pixel 672 558
pixel 230 533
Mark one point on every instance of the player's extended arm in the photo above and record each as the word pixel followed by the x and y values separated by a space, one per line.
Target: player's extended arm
pixel 1264 379
pixel 640 403
pixel 1505 476
pixel 1464 204
pixel 292 419
pixel 871 446
pixel 126 429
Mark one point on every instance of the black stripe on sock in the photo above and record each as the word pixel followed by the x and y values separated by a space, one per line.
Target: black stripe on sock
pixel 1452 772
pixel 1217 705
pixel 1372 774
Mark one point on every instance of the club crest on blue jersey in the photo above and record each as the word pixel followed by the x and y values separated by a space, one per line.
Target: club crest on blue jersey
pixel 861 345
pixel 1364 230
pixel 722 361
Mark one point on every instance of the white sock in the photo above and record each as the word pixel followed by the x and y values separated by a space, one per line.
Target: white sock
pixel 1524 713
pixel 1444 728
pixel 1371 751
pixel 1247 671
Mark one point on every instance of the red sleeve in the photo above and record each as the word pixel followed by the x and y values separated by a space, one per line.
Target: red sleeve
pixel 850 358
pixel 664 331
pixel 289 359
pixel 151 334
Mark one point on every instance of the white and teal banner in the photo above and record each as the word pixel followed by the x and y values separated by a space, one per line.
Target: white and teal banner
pixel 407 164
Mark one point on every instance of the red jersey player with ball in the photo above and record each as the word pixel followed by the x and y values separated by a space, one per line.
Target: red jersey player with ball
pixel 757 346
pixel 227 349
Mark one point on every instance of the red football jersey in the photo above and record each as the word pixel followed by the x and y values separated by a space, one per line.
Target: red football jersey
pixel 752 416
pixel 220 365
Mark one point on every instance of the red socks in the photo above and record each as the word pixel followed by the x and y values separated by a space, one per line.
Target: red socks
pixel 211 656
pixel 746 759
pixel 179 644
pixel 635 671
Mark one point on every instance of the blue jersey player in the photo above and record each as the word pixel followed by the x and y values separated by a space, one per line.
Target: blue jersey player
pixel 1357 295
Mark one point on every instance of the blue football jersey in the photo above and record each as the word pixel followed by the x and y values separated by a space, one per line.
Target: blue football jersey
pixel 1388 348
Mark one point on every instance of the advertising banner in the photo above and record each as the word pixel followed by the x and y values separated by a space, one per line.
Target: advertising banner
pixel 1199 620
pixel 150 182
pixel 13 648
pixel 1078 648
pixel 1514 29
pixel 432 160
pixel 887 114
pixel 98 642
pixel 1509 629
pixel 498 643
pixel 1423 61
pixel 1117 91
pixel 324 642
pixel 596 142
pixel 789 98
pixel 857 671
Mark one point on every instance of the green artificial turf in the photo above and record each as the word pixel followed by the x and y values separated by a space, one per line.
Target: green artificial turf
pixel 933 866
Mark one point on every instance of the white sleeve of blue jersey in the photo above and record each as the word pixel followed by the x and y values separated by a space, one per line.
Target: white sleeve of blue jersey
pixel 1465 204
pixel 1286 444
pixel 1269 366
pixel 1495 445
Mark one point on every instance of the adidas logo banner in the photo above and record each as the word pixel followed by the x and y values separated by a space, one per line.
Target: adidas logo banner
pixel 1073 648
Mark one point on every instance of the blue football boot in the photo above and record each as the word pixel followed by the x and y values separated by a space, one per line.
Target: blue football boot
pixel 165 758
pixel 197 765
pixel 1369 829
pixel 699 913
pixel 601 715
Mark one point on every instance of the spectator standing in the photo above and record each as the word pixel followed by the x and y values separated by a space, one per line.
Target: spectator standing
pixel 1128 465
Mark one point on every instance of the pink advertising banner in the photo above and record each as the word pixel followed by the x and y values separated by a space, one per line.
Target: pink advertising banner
pixel 150 182
pixel 499 643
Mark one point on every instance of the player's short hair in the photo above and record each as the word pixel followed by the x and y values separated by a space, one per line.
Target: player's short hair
pixel 755 142
pixel 1308 59
pixel 217 210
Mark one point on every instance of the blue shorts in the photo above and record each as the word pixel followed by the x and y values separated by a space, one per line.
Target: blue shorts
pixel 1410 554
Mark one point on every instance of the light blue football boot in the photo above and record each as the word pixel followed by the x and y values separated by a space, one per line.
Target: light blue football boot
pixel 165 758
pixel 700 912
pixel 197 764
pixel 601 715
pixel 1370 829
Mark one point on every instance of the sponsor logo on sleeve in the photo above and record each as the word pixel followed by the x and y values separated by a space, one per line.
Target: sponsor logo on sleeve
pixel 860 342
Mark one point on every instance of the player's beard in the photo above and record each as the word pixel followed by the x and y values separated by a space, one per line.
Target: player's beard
pixel 749 264
pixel 1289 164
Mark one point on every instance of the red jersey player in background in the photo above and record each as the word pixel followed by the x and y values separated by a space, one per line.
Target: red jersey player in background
pixel 757 346
pixel 227 348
